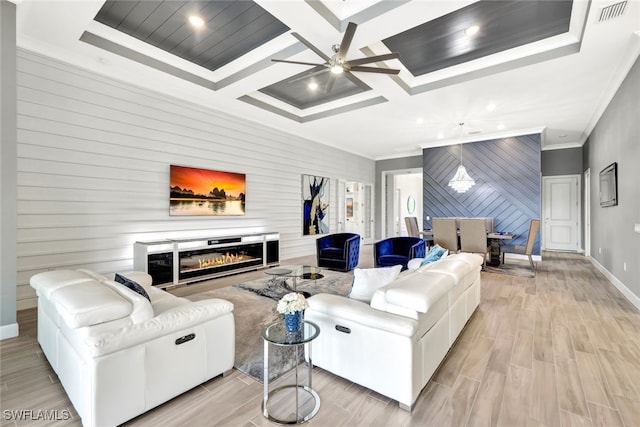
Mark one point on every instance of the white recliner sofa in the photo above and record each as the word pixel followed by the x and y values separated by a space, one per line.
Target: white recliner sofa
pixel 394 344
pixel 118 354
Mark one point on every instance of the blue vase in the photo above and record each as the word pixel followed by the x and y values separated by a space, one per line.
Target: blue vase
pixel 293 321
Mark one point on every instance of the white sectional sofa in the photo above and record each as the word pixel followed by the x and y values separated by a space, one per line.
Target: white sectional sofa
pixel 394 344
pixel 118 354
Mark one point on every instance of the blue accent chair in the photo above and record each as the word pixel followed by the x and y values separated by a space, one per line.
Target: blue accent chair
pixel 340 251
pixel 398 251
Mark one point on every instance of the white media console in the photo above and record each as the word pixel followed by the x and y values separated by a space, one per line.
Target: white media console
pixel 174 262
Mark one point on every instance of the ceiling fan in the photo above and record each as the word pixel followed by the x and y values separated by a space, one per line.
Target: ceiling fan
pixel 338 64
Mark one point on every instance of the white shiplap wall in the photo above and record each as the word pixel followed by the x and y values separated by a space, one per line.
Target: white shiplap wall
pixel 93 171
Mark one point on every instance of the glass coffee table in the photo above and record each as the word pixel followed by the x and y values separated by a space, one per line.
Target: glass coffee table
pixel 277 403
pixel 295 272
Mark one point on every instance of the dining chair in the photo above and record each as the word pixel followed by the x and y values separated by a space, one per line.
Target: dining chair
pixel 473 237
pixel 412 226
pixel 527 250
pixel 445 233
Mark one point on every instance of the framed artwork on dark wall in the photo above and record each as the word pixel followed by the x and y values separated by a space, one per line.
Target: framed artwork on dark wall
pixel 315 204
pixel 195 191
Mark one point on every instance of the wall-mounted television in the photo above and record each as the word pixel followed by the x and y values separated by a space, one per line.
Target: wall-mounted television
pixel 609 185
pixel 194 191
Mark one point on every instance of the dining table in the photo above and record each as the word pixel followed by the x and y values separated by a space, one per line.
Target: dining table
pixel 493 237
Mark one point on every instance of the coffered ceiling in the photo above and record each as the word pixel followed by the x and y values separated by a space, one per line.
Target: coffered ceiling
pixel 501 67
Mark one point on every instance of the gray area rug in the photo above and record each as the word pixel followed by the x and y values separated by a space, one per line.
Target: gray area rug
pixel 252 311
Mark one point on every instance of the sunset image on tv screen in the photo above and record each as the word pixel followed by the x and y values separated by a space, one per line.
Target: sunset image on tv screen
pixel 196 191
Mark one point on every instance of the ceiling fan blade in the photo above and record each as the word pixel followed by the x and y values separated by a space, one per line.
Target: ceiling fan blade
pixel 296 62
pixel 346 40
pixel 308 44
pixel 332 80
pixel 374 70
pixel 376 58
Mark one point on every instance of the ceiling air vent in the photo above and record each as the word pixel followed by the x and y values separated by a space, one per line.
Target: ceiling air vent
pixel 612 11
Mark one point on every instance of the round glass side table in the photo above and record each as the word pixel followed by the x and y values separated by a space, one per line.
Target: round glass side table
pixel 276 404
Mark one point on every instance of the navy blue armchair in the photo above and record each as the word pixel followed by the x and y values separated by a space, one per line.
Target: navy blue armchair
pixel 340 251
pixel 398 251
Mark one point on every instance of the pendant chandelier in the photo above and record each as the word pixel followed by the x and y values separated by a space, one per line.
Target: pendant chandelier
pixel 461 181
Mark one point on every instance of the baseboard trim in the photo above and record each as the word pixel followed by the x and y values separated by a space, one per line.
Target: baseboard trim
pixel 9 331
pixel 633 298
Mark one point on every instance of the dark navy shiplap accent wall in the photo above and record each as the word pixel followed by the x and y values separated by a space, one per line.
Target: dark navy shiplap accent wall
pixel 508 183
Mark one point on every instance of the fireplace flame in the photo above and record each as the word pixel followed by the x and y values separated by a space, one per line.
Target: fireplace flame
pixel 227 258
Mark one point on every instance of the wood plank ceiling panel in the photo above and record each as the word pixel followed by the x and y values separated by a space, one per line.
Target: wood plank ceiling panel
pixel 442 42
pixel 295 91
pixel 232 28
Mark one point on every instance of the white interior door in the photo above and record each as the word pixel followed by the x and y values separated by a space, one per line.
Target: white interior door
pixel 561 213
pixel 353 218
pixel 367 214
pixel 342 208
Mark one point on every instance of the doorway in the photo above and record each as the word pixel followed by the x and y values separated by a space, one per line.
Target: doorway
pixel 561 208
pixel 587 212
pixel 356 209
pixel 402 196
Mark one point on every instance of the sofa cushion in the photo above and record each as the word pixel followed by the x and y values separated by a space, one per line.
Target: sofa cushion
pixel 367 280
pixel 47 282
pixel 134 286
pixel 89 303
pixel 162 301
pixel 379 302
pixel 420 291
pixel 140 277
pixel 142 309
pixel 457 269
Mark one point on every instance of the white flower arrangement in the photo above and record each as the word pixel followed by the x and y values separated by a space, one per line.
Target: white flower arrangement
pixel 292 302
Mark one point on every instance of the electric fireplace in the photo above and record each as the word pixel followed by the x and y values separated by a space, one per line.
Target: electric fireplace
pixel 181 261
pixel 210 261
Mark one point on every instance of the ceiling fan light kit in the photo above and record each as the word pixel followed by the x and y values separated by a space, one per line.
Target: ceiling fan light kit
pixel 337 63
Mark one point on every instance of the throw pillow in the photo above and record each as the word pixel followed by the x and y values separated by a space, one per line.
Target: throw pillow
pixel 367 280
pixel 135 287
pixel 414 263
pixel 435 253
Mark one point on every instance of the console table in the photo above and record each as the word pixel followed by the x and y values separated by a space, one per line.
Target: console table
pixel 181 261
pixel 305 399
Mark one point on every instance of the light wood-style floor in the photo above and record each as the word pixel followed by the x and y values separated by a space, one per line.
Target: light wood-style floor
pixel 561 349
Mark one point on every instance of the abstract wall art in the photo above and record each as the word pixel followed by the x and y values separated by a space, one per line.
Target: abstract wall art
pixel 315 204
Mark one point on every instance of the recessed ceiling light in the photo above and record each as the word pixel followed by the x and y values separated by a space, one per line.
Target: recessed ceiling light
pixel 500 126
pixel 313 86
pixel 563 135
pixel 419 120
pixel 440 135
pixel 491 106
pixel 196 21
pixel 472 30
